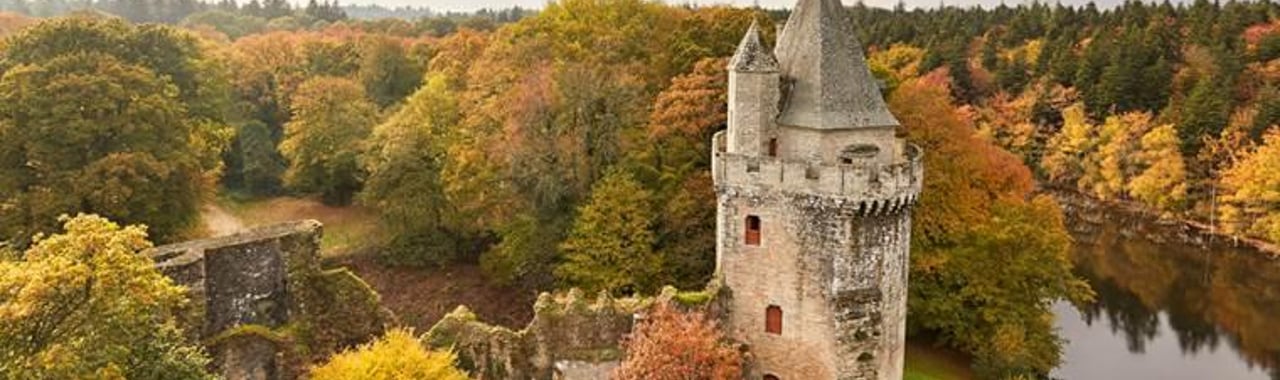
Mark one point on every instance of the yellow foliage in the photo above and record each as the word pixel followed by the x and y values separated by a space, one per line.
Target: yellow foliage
pixel 1107 170
pixel 396 356
pixel 86 304
pixel 1029 52
pixel 1253 185
pixel 901 62
pixel 1062 161
pixel 1162 182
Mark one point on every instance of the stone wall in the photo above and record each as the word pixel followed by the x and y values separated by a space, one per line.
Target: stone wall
pixel 257 296
pixel 570 337
pixel 833 255
pixel 839 276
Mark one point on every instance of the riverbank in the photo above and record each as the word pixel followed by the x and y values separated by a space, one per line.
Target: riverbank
pixel 1172 302
pixel 1139 220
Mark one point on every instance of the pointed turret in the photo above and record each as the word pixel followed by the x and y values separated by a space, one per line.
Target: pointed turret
pixel 831 86
pixel 751 56
pixel 753 96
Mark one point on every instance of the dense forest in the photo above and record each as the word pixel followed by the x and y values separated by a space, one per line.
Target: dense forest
pixel 568 147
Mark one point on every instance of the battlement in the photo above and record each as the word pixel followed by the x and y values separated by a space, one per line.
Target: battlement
pixel 876 188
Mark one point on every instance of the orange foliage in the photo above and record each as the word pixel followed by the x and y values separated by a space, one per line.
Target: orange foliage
pixel 964 173
pixel 694 105
pixel 12 22
pixel 673 345
pixel 455 54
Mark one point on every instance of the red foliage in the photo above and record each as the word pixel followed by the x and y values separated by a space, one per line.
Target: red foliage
pixel 674 345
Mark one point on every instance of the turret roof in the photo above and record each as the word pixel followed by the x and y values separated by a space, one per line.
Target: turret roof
pixel 752 57
pixel 831 86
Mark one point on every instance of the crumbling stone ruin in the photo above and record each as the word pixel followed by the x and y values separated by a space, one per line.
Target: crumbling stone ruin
pixel 571 336
pixel 814 193
pixel 256 297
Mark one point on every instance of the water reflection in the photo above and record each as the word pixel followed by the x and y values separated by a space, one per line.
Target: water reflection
pixel 1166 311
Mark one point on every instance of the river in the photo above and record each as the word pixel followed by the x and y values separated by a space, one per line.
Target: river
pixel 1168 310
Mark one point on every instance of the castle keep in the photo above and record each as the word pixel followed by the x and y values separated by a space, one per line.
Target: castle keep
pixel 814 191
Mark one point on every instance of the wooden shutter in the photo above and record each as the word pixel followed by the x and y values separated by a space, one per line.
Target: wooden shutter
pixel 753 230
pixel 773 320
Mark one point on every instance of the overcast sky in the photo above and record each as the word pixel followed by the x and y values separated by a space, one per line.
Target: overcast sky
pixel 471 5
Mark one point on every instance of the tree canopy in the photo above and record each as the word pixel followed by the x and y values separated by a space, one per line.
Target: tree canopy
pixel 330 119
pixel 86 303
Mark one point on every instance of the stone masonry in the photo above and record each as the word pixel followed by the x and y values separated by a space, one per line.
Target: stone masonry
pixel 814 194
pixel 246 288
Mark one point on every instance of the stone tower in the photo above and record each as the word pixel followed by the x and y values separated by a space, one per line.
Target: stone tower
pixel 814 193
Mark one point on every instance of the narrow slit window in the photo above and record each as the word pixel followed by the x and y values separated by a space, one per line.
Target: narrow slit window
pixel 753 230
pixel 773 320
pixel 773 147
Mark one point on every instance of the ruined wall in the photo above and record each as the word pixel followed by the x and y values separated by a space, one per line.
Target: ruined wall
pixel 258 295
pixel 570 337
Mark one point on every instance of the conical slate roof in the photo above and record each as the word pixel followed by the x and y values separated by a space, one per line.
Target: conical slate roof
pixel 831 86
pixel 752 57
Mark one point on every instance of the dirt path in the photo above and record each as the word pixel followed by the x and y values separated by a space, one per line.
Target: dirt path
pixel 219 222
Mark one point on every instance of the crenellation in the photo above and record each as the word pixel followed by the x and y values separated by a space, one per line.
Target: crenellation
pixel 883 188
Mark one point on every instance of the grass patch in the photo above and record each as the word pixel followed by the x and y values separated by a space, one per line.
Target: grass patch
pixel 925 362
pixel 346 229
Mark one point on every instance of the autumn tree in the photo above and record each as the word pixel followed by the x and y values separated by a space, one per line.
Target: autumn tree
pixel 987 260
pixel 610 246
pixel 671 159
pixel 1064 154
pixel 404 162
pixel 1253 191
pixel 1108 168
pixel 1008 122
pixel 896 64
pixel 330 120
pixel 396 356
pixel 87 303
pixel 134 116
pixel 386 72
pixel 89 133
pixel 674 345
pixel 1161 179
pixel 993 296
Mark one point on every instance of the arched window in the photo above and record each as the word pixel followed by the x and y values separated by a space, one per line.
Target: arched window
pixel 753 230
pixel 770 377
pixel 773 320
